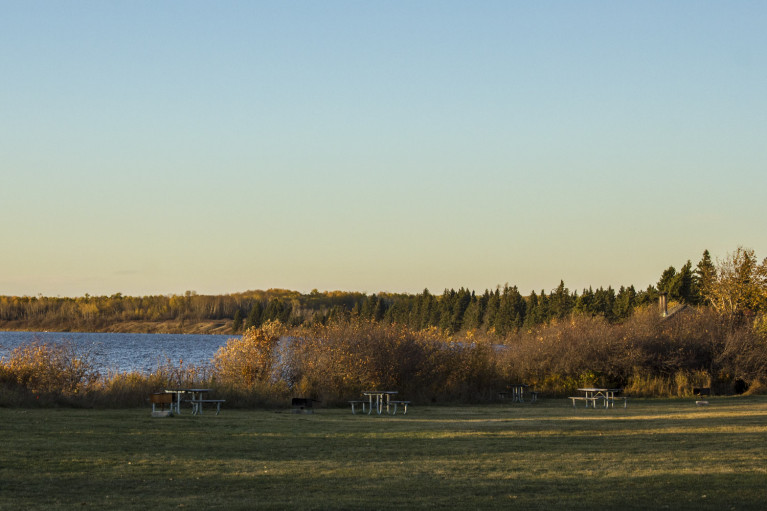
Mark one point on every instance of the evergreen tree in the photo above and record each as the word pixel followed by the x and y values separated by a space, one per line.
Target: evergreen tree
pixel 533 316
pixel 369 306
pixel 446 310
pixel 472 318
pixel 683 284
pixel 519 308
pixel 493 302
pixel 704 278
pixel 380 310
pixel 460 304
pixel 237 321
pixel 255 316
pixel 561 302
pixel 544 308
pixel 604 301
pixel 665 284
pixel 511 311
pixel 584 303
pixel 624 302
pixel 276 310
pixel 678 286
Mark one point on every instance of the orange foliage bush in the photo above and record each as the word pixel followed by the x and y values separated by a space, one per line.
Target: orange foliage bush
pixel 249 359
pixel 49 368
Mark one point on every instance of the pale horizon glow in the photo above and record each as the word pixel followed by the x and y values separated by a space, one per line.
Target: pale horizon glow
pixel 153 148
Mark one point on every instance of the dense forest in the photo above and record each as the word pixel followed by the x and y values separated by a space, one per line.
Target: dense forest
pixel 735 286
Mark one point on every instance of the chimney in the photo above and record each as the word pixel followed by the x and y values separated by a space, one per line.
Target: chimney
pixel 663 304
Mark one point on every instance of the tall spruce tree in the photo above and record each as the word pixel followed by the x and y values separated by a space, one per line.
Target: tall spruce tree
pixel 561 302
pixel 624 302
pixel 255 315
pixel 237 321
pixel 533 316
pixel 704 278
pixel 493 302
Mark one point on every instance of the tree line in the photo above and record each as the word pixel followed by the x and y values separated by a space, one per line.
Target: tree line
pixel 735 286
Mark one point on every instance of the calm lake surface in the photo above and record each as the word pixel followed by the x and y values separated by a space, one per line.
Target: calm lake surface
pixel 127 352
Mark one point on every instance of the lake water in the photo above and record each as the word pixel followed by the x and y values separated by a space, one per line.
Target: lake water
pixel 127 352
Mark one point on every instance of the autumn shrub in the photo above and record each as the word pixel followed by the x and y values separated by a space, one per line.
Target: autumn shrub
pixel 476 372
pixel 742 359
pixel 51 371
pixel 565 355
pixel 646 354
pixel 44 374
pixel 337 361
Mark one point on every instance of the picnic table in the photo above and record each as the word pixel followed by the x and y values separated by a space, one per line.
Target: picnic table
pixel 377 397
pixel 196 400
pixel 517 392
pixel 594 394
pixel 378 400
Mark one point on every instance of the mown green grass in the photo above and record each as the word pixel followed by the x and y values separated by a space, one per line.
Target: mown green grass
pixel 657 454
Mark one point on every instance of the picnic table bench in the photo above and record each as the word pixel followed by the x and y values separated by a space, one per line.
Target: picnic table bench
pixel 356 402
pixel 611 401
pixel 517 393
pixel 587 400
pixel 593 394
pixel 404 406
pixel 197 405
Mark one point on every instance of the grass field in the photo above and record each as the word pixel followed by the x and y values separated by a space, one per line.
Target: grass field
pixel 656 454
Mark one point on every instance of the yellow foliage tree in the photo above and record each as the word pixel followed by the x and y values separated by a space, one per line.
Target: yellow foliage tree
pixel 740 284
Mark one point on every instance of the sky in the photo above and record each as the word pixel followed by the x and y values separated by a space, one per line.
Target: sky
pixel 157 147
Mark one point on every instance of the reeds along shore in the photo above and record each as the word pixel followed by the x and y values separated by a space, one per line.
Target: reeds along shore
pixel 646 355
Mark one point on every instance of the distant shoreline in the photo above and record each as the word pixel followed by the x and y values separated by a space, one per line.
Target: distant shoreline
pixel 219 327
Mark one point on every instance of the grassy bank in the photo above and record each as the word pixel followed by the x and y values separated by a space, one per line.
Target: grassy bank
pixel 656 454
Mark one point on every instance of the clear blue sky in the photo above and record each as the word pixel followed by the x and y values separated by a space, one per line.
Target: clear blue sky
pixel 156 147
